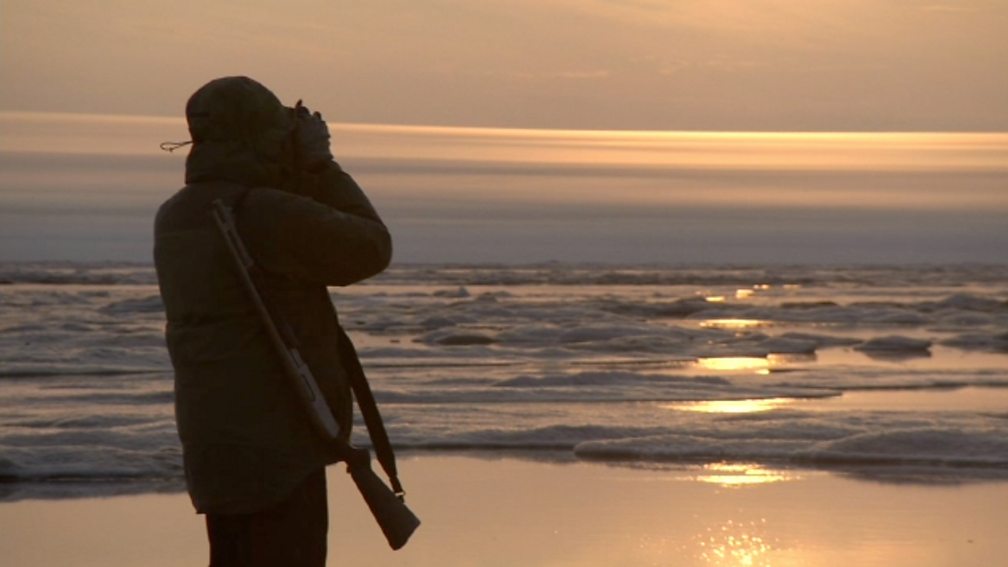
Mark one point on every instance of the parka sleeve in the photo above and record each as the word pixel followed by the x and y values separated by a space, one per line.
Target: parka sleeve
pixel 337 189
pixel 335 239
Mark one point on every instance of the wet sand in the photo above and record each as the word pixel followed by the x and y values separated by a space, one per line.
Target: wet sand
pixel 483 511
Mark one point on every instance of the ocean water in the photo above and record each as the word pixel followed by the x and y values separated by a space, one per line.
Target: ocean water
pixel 890 373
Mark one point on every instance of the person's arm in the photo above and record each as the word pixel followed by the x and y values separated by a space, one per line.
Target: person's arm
pixel 318 176
pixel 337 189
pixel 337 239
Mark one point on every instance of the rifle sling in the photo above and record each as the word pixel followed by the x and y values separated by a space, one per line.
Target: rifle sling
pixel 369 410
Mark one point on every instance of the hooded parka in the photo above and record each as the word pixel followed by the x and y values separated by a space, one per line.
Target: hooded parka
pixel 246 440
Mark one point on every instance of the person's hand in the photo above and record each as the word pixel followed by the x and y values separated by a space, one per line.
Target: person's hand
pixel 311 137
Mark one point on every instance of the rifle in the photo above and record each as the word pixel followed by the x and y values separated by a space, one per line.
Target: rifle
pixel 387 505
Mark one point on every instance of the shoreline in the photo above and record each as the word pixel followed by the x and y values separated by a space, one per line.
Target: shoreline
pixel 499 509
pixel 869 470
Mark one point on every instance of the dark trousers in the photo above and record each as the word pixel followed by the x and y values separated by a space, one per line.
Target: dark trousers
pixel 292 533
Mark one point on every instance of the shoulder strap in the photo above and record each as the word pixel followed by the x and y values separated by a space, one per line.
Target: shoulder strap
pixel 369 410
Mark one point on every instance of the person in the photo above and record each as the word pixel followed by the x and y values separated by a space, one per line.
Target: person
pixel 253 463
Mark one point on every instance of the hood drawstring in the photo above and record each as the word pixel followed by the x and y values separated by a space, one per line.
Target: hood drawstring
pixel 172 146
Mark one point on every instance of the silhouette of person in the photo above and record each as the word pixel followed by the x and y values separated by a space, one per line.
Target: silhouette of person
pixel 253 463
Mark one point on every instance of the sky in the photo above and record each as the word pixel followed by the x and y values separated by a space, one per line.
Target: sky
pixel 534 130
pixel 790 65
pixel 85 187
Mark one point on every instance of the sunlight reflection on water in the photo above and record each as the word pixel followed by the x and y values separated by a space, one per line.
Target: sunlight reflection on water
pixel 735 543
pixel 732 475
pixel 759 365
pixel 732 323
pixel 733 406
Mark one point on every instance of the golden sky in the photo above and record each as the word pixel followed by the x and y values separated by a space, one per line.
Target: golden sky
pixel 584 64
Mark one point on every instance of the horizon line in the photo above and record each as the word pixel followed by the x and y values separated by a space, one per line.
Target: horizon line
pixel 485 129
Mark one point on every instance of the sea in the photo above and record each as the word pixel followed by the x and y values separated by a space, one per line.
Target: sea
pixel 892 373
pixel 740 306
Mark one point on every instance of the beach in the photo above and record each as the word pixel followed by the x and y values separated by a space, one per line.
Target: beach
pixel 501 510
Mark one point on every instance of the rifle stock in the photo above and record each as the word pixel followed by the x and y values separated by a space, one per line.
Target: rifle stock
pixel 394 518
